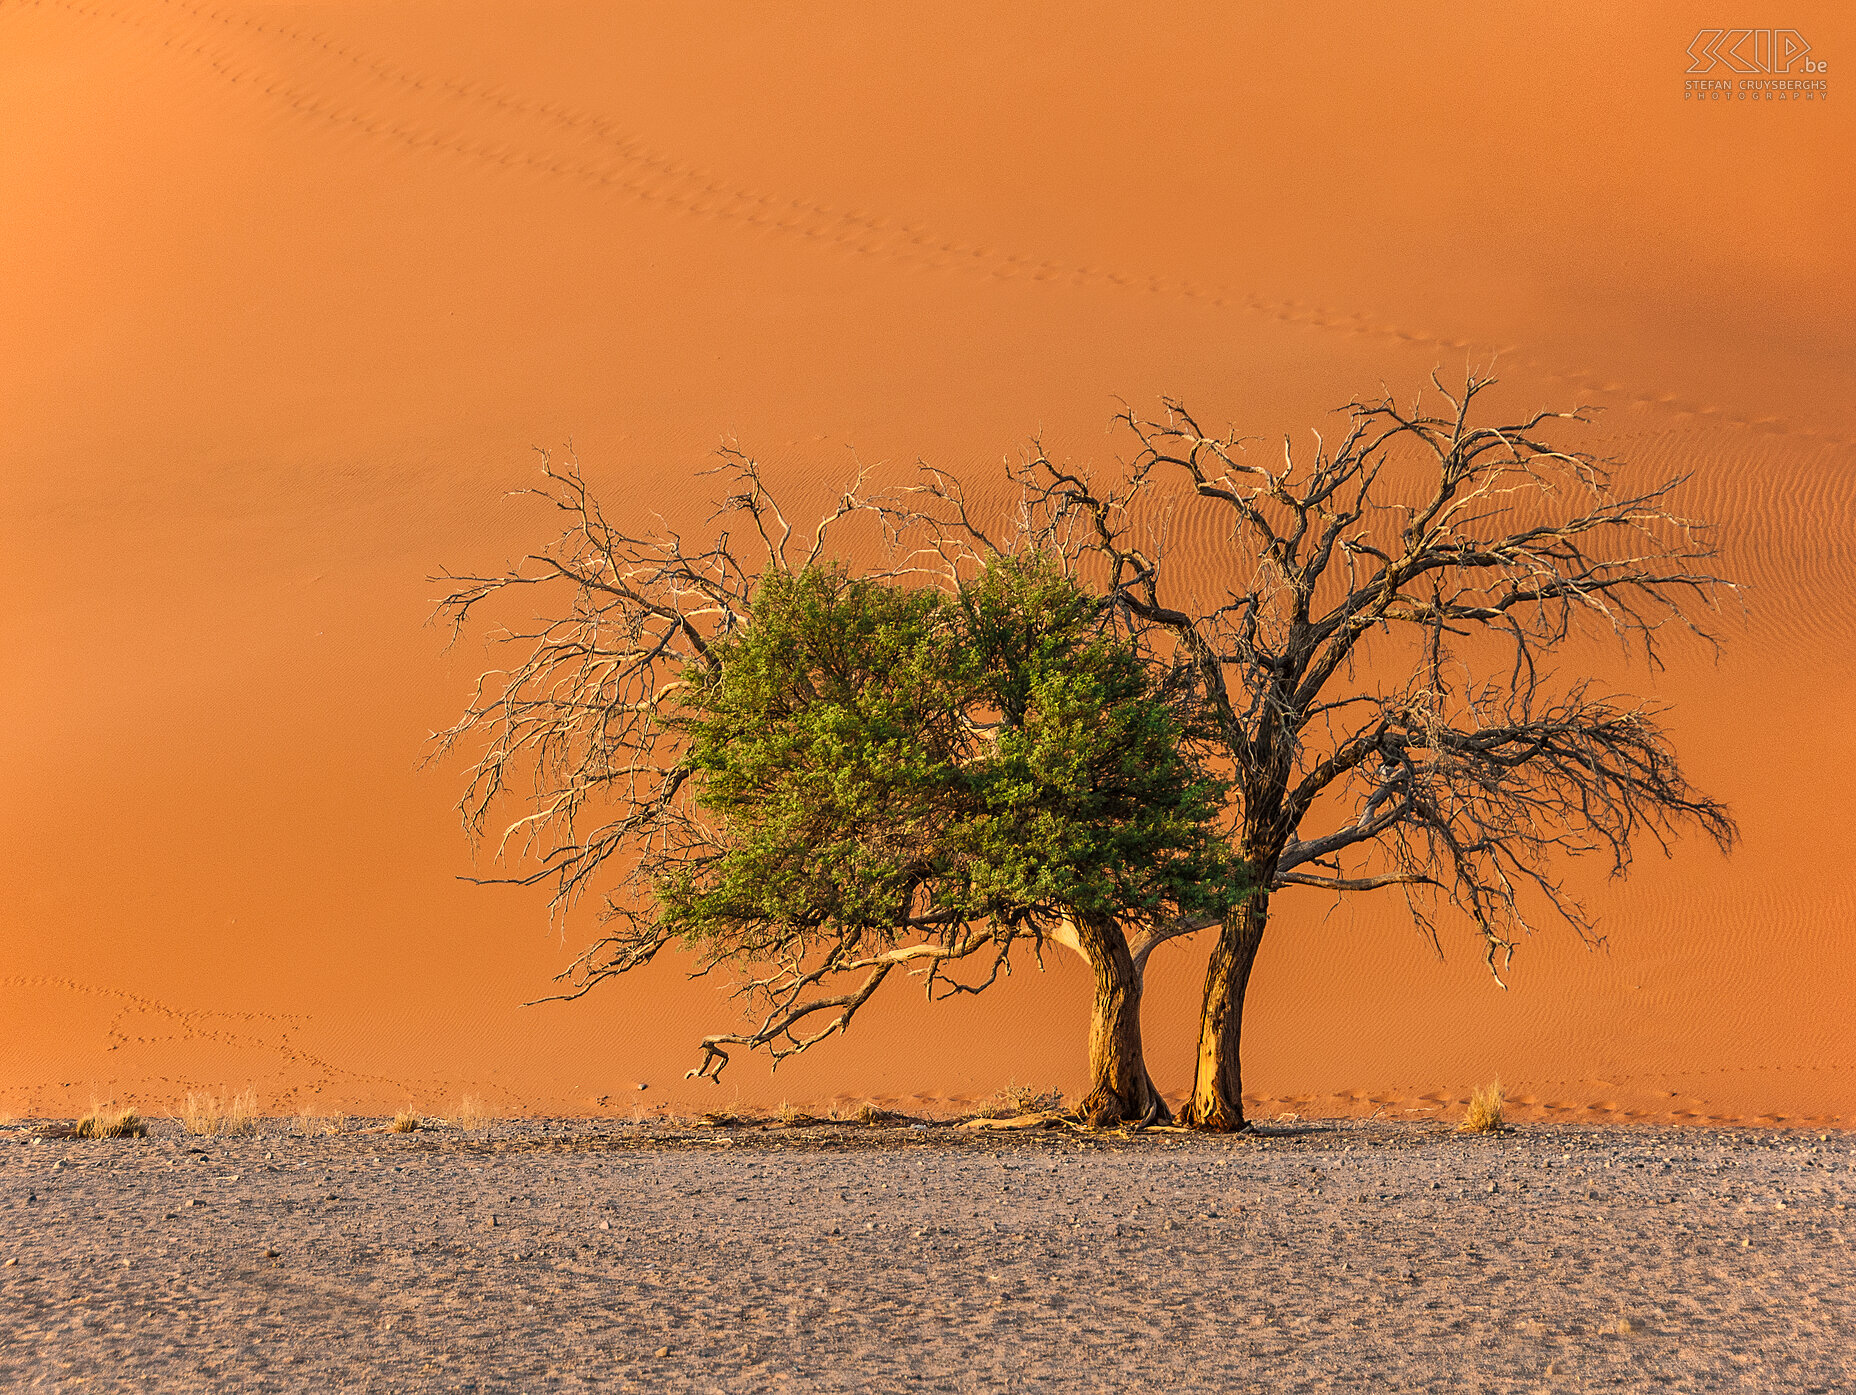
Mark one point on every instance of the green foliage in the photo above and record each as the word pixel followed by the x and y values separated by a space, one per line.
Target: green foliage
pixel 1088 800
pixel 881 762
pixel 828 746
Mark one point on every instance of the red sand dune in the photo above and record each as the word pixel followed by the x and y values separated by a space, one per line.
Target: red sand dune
pixel 289 291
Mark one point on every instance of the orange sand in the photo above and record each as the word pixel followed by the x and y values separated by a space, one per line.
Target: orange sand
pixel 287 293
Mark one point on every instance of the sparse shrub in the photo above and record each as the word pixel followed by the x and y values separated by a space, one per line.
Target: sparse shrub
pixel 108 1121
pixel 406 1121
pixel 788 1115
pixel 206 1114
pixel 868 1113
pixel 471 1113
pixel 1016 1100
pixel 1484 1114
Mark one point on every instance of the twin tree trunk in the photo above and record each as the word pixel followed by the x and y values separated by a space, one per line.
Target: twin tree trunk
pixel 1120 1089
pixel 1217 1101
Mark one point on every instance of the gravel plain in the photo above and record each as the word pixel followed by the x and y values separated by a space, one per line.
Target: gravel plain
pixel 570 1255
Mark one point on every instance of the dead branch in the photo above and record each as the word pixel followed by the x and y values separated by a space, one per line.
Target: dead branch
pixel 1377 652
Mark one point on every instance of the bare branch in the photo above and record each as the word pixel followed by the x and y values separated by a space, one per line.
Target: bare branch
pixel 1381 649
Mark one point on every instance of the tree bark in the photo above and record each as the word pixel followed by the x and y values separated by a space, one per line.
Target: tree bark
pixel 1217 1102
pixel 1120 1089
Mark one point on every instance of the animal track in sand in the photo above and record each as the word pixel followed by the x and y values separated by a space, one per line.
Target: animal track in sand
pixel 658 179
pixel 201 1025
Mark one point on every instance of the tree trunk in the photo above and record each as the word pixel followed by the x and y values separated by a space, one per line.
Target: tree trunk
pixel 1120 1089
pixel 1217 1101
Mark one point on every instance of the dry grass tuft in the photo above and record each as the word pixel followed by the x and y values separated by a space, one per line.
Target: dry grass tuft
pixel 1016 1100
pixel 312 1123
pixel 1484 1114
pixel 108 1121
pixel 869 1112
pixel 215 1114
pixel 406 1121
pixel 472 1113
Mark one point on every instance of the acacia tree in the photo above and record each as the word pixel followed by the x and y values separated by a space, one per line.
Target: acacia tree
pixel 1374 660
pixel 823 780
pixel 898 775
